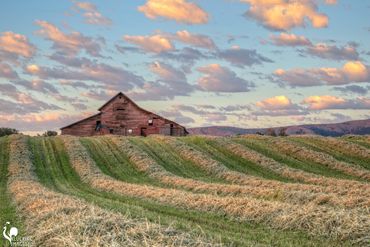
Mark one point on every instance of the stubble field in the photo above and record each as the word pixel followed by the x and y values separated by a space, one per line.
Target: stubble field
pixel 187 191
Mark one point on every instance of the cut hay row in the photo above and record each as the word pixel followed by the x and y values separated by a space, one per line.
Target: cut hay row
pixel 316 220
pixel 149 166
pixel 337 144
pixel 303 153
pixel 358 192
pixel 363 141
pixel 54 219
pixel 277 167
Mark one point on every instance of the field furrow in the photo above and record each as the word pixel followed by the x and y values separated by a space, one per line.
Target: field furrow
pixel 215 225
pixel 54 219
pixel 315 220
pixel 338 148
pixel 303 153
pixel 148 165
pixel 279 168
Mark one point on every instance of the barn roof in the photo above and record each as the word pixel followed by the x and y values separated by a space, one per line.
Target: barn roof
pixel 109 101
pixel 81 120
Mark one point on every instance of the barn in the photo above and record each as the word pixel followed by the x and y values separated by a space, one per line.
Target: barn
pixel 122 116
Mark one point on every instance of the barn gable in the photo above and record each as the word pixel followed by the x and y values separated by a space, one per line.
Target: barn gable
pixel 121 116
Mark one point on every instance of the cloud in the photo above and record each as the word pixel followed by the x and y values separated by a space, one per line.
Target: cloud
pixel 17 44
pixel 179 10
pixel 91 14
pixel 25 103
pixel 39 121
pixel 186 55
pixel 353 71
pixel 38 86
pixel 322 50
pixel 275 103
pixel 111 77
pixel 222 79
pixel 286 14
pixel 199 40
pixel 278 106
pixel 353 89
pixel 171 82
pixel 287 39
pixel 242 57
pixel 156 43
pixel 71 43
pixel 333 102
pixel 7 72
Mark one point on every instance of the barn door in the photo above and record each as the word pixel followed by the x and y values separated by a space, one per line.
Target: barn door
pixel 143 132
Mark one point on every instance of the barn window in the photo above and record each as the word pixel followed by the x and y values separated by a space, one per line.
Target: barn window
pixel 111 131
pixel 98 125
pixel 130 131
pixel 150 122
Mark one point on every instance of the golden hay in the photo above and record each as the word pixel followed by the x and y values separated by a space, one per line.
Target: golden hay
pixel 54 219
pixel 304 153
pixel 316 220
pixel 358 192
pixel 146 164
pixel 277 167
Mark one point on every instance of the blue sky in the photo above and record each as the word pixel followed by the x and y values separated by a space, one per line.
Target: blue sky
pixel 243 63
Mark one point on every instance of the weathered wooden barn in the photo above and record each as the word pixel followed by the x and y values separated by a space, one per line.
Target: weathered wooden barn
pixel 121 116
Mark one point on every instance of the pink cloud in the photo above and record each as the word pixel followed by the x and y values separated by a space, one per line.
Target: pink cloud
pixel 17 44
pixel 286 14
pixel 178 10
pixel 287 39
pixel 71 43
pixel 156 43
pixel 91 14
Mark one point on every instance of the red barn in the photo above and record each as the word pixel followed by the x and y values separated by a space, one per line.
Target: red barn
pixel 121 116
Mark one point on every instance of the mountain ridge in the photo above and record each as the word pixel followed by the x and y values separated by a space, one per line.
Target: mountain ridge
pixel 354 127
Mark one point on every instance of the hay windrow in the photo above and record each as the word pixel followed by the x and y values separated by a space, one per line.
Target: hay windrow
pixel 316 220
pixel 358 192
pixel 146 164
pixel 277 167
pixel 54 219
pixel 304 153
pixel 342 146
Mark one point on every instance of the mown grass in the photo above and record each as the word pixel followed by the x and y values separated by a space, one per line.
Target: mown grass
pixel 264 147
pixel 318 146
pixel 169 159
pixel 114 163
pixel 359 140
pixel 230 160
pixel 7 208
pixel 54 171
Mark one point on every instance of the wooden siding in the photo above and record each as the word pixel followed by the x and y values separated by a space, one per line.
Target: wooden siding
pixel 121 115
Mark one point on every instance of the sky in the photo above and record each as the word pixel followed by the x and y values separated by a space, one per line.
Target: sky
pixel 242 63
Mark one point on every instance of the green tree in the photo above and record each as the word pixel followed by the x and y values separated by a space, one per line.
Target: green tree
pixel 50 133
pixel 8 131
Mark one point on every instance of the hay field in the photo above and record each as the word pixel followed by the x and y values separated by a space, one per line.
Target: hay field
pixel 187 191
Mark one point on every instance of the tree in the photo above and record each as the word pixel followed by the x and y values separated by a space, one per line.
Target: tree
pixel 282 132
pixel 270 132
pixel 7 131
pixel 50 133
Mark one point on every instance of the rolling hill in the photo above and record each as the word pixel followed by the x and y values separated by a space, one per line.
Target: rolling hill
pixel 357 127
pixel 186 191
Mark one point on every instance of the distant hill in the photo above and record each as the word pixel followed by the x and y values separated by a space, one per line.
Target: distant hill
pixel 356 127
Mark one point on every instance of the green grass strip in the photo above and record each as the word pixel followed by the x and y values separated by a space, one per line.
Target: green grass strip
pixel 54 170
pixel 7 208
pixel 264 148
pixel 170 160
pixel 234 162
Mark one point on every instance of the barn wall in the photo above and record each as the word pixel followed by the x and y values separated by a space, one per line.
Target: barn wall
pixel 121 115
pixel 84 128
